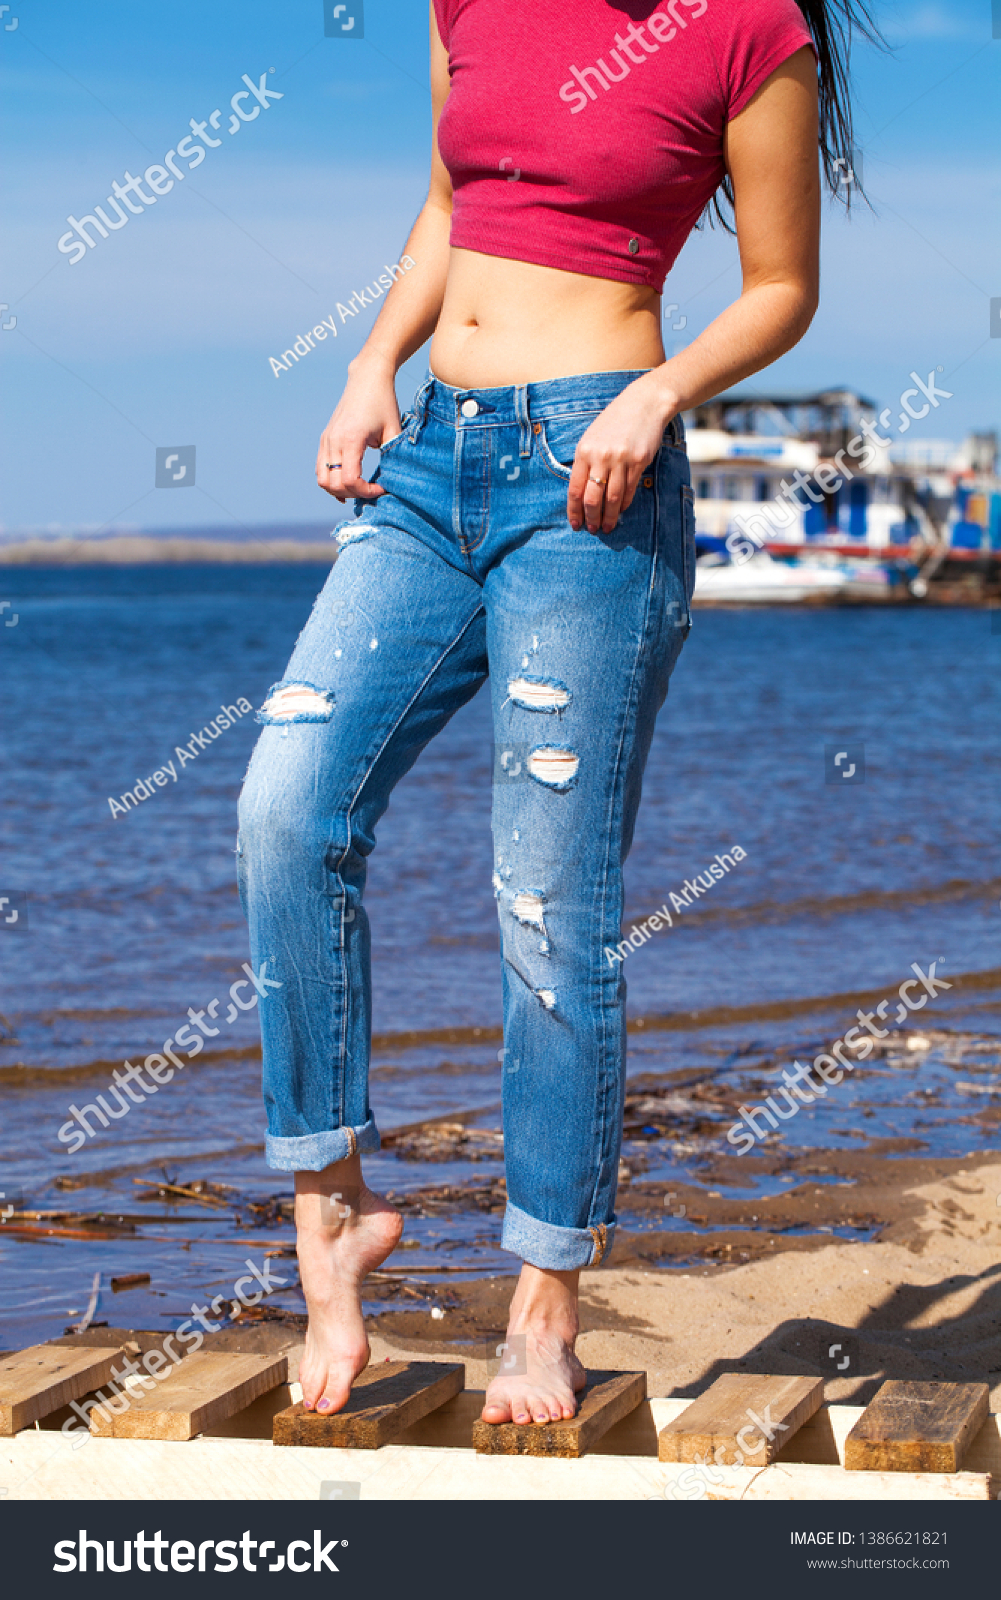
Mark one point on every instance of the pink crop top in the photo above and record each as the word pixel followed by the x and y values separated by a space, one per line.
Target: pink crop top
pixel 588 137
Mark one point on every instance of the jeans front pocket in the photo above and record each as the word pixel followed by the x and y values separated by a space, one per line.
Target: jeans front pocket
pixel 392 443
pixel 558 440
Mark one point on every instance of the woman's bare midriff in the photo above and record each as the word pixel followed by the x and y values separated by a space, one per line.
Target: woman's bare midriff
pixel 512 322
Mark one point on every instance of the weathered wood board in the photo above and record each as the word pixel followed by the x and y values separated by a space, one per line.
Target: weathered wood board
pixel 917 1427
pixel 741 1418
pixel 607 1398
pixel 383 1402
pixel 199 1392
pixel 42 1379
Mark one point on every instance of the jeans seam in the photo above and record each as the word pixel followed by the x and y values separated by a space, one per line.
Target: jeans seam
pixel 470 549
pixel 617 801
pixel 457 492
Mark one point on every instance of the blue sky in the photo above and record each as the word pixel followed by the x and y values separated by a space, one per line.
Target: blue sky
pixel 162 334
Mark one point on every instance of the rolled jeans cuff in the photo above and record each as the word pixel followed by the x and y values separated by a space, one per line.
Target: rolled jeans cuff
pixel 311 1152
pixel 543 1244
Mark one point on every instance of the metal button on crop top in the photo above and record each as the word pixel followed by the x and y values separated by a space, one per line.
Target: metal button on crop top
pixel 589 138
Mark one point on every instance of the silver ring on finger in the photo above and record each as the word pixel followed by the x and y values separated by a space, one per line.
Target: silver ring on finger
pixel 599 481
pixel 333 466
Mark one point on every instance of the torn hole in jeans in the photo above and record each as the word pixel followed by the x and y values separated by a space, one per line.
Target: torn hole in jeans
pixel 539 694
pixel 297 702
pixel 553 766
pixel 527 908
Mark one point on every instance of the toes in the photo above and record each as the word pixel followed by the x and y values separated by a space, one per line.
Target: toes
pixel 311 1392
pixel 547 1409
pixel 334 1397
pixel 524 1409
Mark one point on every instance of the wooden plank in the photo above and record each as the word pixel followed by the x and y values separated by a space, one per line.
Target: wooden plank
pixel 33 1466
pixel 793 1480
pixel 199 1392
pixel 607 1397
pixel 917 1427
pixel 45 1377
pixel 741 1418
pixel 383 1401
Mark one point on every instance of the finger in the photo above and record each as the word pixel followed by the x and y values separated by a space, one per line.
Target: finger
pixel 615 490
pixel 575 495
pixel 367 491
pixel 593 500
pixel 351 481
pixel 328 468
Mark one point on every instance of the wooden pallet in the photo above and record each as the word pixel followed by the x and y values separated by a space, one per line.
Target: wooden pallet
pixel 917 1427
pixel 607 1398
pixel 200 1392
pixel 929 1441
pixel 433 1461
pixel 38 1381
pixel 384 1401
pixel 741 1418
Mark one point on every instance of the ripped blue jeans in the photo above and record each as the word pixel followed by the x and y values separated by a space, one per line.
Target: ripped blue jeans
pixel 467 568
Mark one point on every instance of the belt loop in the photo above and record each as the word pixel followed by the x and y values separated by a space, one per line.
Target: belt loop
pixel 421 399
pixel 524 421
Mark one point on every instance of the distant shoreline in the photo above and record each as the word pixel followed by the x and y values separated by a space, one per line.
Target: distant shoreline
pixel 139 551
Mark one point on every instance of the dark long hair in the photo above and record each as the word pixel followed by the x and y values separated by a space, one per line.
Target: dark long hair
pixel 832 24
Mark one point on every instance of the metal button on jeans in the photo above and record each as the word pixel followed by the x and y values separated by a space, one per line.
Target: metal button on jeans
pixel 469 408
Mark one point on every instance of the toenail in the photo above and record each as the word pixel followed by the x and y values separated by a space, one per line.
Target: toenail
pixel 324 1405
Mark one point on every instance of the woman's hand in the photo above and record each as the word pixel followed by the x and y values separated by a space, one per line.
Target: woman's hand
pixel 367 415
pixel 615 449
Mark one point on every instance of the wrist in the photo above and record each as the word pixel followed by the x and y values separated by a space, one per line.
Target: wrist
pixel 372 359
pixel 665 392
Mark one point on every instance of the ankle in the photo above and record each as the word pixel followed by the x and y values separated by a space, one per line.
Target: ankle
pixel 546 1303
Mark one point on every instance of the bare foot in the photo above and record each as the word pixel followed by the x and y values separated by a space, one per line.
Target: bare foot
pixel 541 1334
pixel 345 1231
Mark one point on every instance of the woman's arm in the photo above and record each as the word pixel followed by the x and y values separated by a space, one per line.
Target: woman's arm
pixel 771 155
pixel 367 413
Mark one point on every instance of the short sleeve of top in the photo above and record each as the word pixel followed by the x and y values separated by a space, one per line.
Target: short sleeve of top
pixel 751 40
